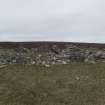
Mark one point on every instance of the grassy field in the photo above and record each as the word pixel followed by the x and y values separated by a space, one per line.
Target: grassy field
pixel 73 84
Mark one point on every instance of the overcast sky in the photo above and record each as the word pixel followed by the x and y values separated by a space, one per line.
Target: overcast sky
pixel 52 20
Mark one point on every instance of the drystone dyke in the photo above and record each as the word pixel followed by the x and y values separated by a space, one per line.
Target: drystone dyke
pixel 52 56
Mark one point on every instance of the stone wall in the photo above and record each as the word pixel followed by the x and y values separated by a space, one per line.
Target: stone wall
pixel 52 56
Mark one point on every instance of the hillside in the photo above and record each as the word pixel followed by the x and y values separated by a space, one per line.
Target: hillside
pixel 52 73
pixel 50 53
pixel 37 44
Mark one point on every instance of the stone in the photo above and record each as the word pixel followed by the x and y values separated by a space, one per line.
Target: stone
pixel 33 62
pixel 77 78
pixel 52 56
pixel 64 62
pixel 47 65
pixel 3 66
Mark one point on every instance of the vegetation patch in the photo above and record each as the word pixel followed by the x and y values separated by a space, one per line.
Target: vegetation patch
pixel 70 84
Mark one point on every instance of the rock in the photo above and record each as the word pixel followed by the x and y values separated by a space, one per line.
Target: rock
pixel 64 62
pixel 55 49
pixel 47 65
pixel 52 56
pixel 89 61
pixel 3 66
pixel 33 62
pixel 77 78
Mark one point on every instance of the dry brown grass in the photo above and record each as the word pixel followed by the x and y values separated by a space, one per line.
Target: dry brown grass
pixel 73 84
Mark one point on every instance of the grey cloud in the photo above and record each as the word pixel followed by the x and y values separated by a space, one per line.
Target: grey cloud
pixel 60 20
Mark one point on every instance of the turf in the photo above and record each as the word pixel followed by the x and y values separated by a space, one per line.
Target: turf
pixel 72 84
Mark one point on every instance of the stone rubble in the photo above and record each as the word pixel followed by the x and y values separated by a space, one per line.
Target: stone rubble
pixel 53 56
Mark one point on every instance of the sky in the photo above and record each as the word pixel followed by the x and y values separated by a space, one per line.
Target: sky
pixel 52 20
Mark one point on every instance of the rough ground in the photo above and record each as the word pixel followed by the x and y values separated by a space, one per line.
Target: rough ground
pixel 73 84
